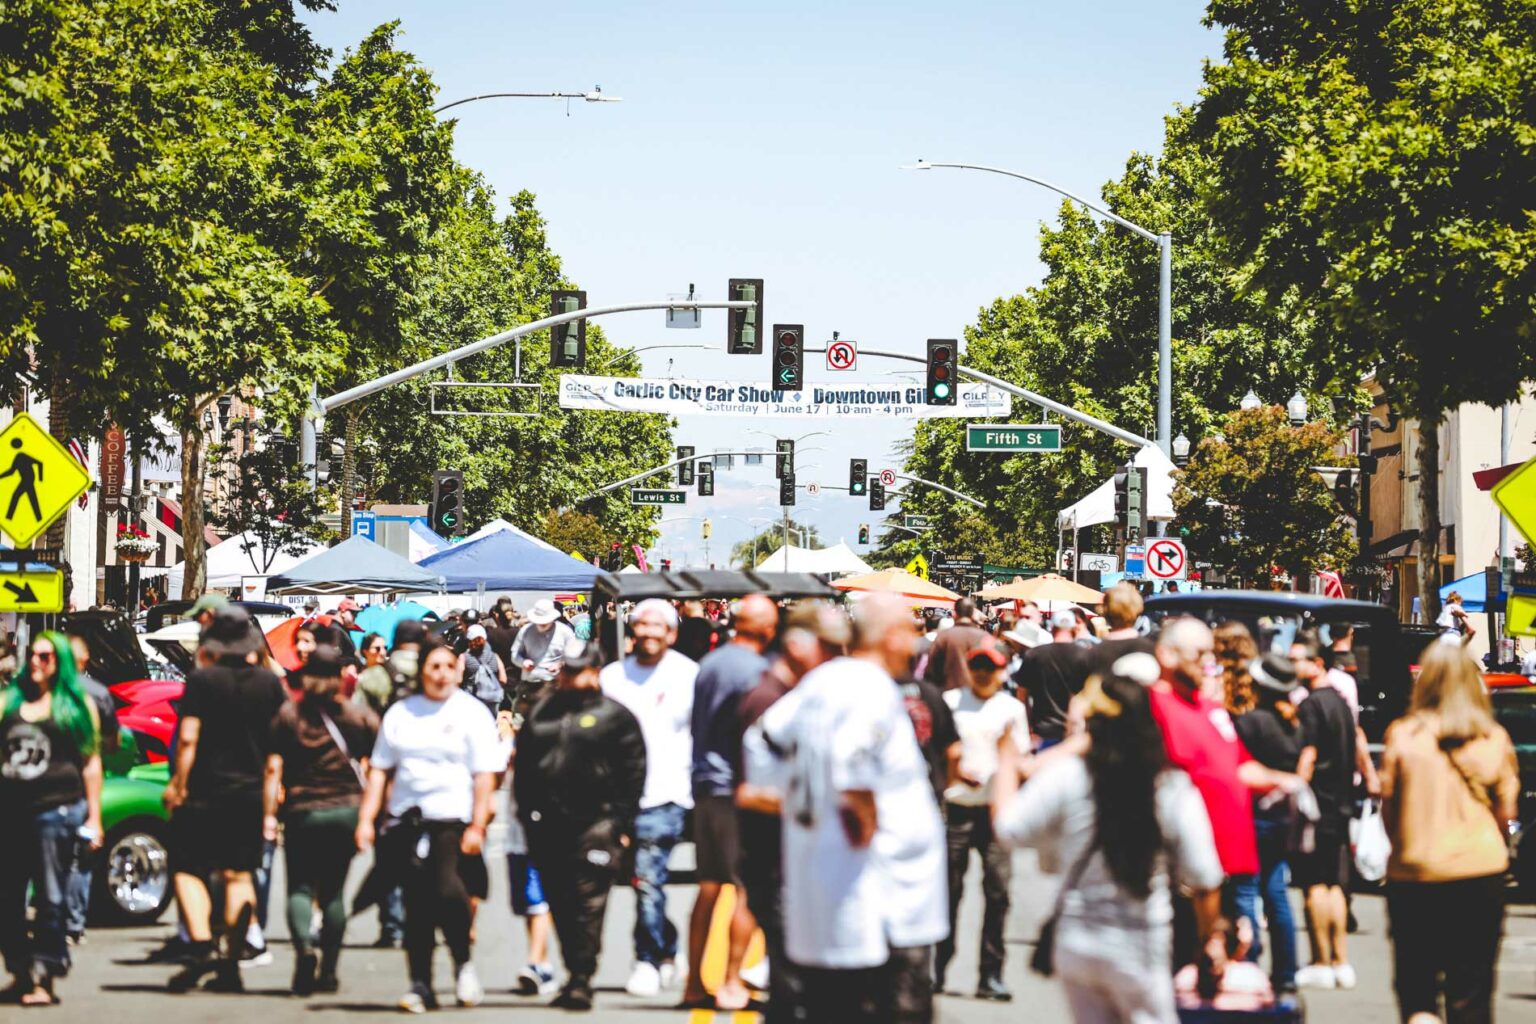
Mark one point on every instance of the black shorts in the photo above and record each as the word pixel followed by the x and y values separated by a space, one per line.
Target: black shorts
pixel 1329 861
pixel 222 836
pixel 717 839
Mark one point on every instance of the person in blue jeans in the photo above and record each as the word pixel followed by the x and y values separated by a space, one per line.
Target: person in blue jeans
pixel 656 684
pixel 1272 735
pixel 50 800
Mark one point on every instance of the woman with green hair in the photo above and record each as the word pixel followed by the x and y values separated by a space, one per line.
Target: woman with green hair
pixel 50 799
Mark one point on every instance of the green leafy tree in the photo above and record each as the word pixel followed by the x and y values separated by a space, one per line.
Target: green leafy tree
pixel 263 493
pixel 1374 160
pixel 1253 504
pixel 754 549
pixel 577 532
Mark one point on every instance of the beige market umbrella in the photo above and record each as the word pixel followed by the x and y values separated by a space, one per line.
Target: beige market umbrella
pixel 899 582
pixel 1049 587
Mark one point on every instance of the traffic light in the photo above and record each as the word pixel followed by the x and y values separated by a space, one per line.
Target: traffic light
pixel 685 469
pixel 858 476
pixel 745 336
pixel 666 565
pixel 784 458
pixel 1131 502
pixel 876 495
pixel 943 371
pixel 706 528
pixel 863 533
pixel 788 366
pixel 1122 499
pixel 446 515
pixel 706 480
pixel 568 341
pixel 787 489
pixel 615 559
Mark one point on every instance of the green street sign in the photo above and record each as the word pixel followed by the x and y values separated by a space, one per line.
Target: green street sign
pixel 1012 437
pixel 656 496
pixel 915 522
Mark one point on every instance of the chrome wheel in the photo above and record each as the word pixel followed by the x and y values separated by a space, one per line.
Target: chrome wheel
pixel 138 874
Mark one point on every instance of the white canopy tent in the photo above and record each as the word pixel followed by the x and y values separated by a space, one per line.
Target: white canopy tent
pixel 834 561
pixel 1099 506
pixel 229 563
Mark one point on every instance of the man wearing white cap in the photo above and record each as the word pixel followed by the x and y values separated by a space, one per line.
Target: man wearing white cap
pixel 656 684
pixel 481 672
pixel 539 649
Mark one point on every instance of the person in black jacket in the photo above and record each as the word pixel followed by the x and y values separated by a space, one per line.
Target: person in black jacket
pixel 577 777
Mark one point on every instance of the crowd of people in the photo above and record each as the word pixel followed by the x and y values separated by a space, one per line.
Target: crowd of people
pixel 838 767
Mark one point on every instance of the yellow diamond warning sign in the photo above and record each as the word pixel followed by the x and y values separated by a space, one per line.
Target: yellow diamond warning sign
pixel 1520 615
pixel 918 566
pixel 38 479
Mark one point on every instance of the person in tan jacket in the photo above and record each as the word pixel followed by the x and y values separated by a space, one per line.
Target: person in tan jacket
pixel 1450 784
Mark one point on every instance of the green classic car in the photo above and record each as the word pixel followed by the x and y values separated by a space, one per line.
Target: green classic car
pixel 132 883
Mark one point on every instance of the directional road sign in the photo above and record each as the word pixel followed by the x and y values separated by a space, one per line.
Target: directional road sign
pixel 915 522
pixel 38 479
pixel 1167 559
pixel 657 496
pixel 1012 437
pixel 24 591
pixel 1516 495
pixel 842 355
pixel 887 478
pixel 918 566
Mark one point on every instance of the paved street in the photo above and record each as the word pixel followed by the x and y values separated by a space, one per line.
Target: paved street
pixel 108 983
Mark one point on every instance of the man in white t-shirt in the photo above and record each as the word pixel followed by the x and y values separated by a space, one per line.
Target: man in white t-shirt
pixel 984 713
pixel 656 684
pixel 864 864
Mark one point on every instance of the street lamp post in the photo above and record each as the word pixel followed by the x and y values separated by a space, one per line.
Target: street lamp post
pixel 1164 242
pixel 595 95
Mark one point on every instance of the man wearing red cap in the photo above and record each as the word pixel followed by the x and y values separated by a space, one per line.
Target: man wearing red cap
pixel 984 713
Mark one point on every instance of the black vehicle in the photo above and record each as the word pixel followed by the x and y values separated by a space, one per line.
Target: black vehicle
pixel 167 612
pixel 1515 709
pixel 1381 648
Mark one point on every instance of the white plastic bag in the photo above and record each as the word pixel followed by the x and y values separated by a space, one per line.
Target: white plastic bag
pixel 1372 847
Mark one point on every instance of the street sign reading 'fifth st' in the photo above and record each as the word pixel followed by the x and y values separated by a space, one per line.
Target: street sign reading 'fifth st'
pixel 1012 437
pixel 657 496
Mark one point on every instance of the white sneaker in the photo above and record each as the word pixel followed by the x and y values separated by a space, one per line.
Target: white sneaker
pixel 672 972
pixel 468 989
pixel 1317 976
pixel 756 976
pixel 1344 975
pixel 644 981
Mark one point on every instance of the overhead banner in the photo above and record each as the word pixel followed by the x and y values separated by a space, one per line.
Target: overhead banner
pixel 724 398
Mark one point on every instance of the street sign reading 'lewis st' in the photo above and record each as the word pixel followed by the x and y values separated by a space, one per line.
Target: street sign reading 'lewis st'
pixel 657 496
pixel 1012 437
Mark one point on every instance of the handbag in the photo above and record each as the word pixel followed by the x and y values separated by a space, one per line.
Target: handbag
pixel 341 744
pixel 1043 962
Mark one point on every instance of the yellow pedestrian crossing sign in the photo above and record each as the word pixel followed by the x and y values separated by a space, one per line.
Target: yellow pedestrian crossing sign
pixel 38 479
pixel 1520 615
pixel 1516 495
pixel 918 567
pixel 25 591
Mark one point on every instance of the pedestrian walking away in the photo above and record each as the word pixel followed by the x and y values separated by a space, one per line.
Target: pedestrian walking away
pixel 1450 788
pixel 656 684
pixel 437 755
pixel 215 793
pixel 864 865
pixel 1050 675
pixel 984 716
pixel 577 778
pixel 111 749
pixel 50 800
pixel 483 674
pixel 314 783
pixel 945 667
pixel 1125 829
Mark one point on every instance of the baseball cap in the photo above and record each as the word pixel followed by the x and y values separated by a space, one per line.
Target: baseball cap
pixel 651 606
pixel 542 612
pixel 347 605
pixel 986 653
pixel 1063 620
pixel 475 632
pixel 580 654
pixel 209 602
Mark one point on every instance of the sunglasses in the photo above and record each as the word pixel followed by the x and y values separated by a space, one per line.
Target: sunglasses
pixel 44 655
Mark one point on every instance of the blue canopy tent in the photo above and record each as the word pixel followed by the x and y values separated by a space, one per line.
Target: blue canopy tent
pixel 1474 593
pixel 509 560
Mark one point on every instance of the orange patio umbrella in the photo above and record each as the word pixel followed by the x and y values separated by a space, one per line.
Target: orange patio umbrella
pixel 1049 587
pixel 901 583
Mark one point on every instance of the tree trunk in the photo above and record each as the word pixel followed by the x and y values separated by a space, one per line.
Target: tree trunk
pixel 348 473
pixel 194 454
pixel 1429 519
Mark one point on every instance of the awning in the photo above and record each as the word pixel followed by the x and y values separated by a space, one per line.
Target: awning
pixel 1487 478
pixel 1396 546
pixel 355 566
pixel 1474 593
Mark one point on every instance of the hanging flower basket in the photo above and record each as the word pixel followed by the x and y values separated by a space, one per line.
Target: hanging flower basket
pixel 134 544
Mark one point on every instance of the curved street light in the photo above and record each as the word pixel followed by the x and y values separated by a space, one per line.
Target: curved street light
pixel 595 95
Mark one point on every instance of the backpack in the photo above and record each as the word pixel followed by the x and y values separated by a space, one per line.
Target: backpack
pixel 483 684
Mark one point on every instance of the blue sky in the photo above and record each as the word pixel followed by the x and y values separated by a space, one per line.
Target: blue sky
pixel 764 140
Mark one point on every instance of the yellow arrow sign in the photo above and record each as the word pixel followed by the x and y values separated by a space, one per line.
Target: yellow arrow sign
pixel 38 479
pixel 1520 615
pixel 22 591
pixel 918 566
pixel 1516 495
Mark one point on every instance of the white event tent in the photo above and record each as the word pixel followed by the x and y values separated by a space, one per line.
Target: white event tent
pixel 1099 506
pixel 834 561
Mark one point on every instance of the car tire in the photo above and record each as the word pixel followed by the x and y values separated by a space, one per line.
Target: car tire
pixel 131 883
